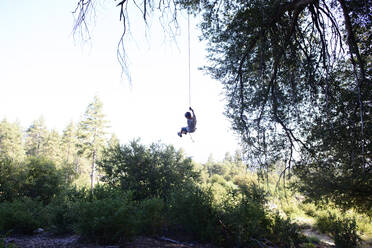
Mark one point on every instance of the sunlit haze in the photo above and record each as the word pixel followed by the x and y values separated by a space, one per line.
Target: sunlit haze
pixel 46 71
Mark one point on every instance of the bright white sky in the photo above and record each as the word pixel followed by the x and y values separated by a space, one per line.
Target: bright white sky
pixel 45 72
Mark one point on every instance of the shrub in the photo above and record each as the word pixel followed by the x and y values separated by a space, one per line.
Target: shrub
pixel 107 220
pixel 286 233
pixel 248 224
pixel 148 171
pixel 151 216
pixel 43 180
pixel 309 209
pixel 74 194
pixel 245 221
pixel 217 179
pixel 364 224
pixel 192 209
pixel 62 215
pixel 345 233
pixel 291 210
pixel 323 221
pixel 343 230
pixel 22 216
pixel 309 245
pixel 11 178
pixel 101 192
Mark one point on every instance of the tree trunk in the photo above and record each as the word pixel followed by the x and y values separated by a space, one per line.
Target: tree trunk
pixel 92 174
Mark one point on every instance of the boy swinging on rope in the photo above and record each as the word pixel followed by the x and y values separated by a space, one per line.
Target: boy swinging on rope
pixel 191 123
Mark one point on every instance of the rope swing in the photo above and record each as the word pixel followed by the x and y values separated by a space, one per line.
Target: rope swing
pixel 189 55
pixel 191 118
pixel 189 60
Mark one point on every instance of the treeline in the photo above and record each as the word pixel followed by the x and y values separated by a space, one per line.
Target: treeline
pixel 74 152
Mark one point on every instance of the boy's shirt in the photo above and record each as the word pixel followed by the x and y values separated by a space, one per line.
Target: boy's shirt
pixel 191 123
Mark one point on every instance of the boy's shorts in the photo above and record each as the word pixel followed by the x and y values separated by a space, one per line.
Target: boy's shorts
pixel 187 130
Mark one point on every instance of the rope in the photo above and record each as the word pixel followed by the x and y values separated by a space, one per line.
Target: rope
pixel 193 141
pixel 189 56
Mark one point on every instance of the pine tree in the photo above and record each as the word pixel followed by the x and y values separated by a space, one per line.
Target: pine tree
pixel 114 141
pixel 36 137
pixel 92 135
pixel 11 142
pixel 52 147
pixel 69 143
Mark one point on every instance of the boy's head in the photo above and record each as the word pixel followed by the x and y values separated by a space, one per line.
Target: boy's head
pixel 188 115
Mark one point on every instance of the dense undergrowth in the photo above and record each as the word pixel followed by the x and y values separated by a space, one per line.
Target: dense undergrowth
pixel 156 191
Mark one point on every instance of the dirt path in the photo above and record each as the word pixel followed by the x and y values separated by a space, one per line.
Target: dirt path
pixel 325 239
pixel 72 241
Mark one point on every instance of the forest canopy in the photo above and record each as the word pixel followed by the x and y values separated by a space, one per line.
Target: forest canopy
pixel 297 77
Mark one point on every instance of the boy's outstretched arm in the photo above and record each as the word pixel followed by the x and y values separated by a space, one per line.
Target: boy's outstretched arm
pixel 192 111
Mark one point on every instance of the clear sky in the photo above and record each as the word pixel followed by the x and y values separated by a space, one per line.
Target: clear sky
pixel 45 71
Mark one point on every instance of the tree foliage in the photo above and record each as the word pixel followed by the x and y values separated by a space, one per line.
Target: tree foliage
pixel 11 141
pixel 71 152
pixel 37 178
pixel 10 180
pixel 69 143
pixel 42 179
pixel 36 137
pixel 295 76
pixel 152 171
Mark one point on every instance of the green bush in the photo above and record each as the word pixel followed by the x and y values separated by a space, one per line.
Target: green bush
pixel 43 180
pixel 36 178
pixel 107 220
pixel 148 171
pixel 101 192
pixel 151 216
pixel 239 221
pixel 309 245
pixel 343 230
pixel 192 209
pixel 11 179
pixel 247 223
pixel 62 215
pixel 74 194
pixel 286 233
pixel 309 209
pixel 63 211
pixel 291 210
pixel 323 222
pixel 345 233
pixel 22 216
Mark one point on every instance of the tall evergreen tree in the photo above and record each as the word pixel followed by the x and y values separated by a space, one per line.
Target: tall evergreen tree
pixel 113 141
pixel 11 141
pixel 36 137
pixel 92 135
pixel 69 143
pixel 52 147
